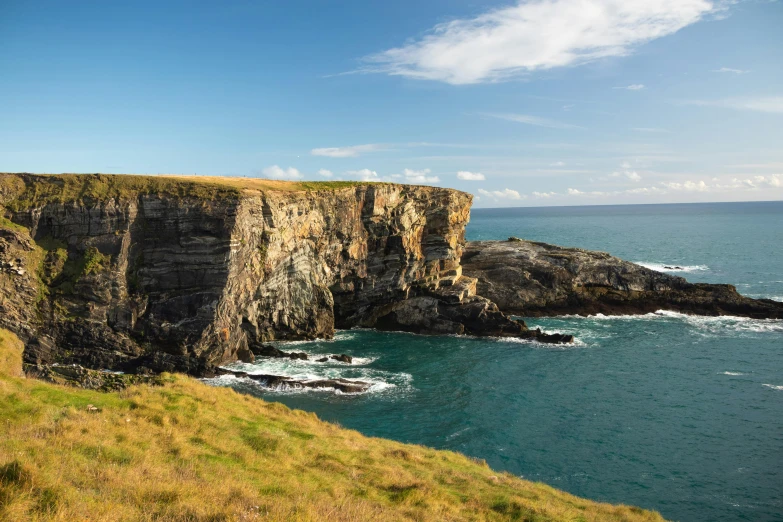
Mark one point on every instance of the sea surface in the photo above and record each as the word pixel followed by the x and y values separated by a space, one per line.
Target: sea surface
pixel 670 412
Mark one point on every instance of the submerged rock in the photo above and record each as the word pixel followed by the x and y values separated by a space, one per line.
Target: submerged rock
pixel 288 383
pixel 343 358
pixel 537 279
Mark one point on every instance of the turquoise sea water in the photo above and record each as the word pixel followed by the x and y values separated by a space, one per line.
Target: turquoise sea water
pixel 666 411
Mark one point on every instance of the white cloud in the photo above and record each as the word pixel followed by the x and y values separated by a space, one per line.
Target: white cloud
pixel 773 104
pixel 501 194
pixel 470 176
pixel 632 87
pixel 534 120
pixel 630 174
pixel 536 35
pixel 325 173
pixel 773 181
pixel 688 186
pixel 544 195
pixel 730 70
pixel 363 175
pixel 557 164
pixel 419 176
pixel 352 151
pixel 276 172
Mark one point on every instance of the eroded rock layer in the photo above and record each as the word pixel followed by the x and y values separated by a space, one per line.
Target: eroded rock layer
pixel 131 272
pixel 537 279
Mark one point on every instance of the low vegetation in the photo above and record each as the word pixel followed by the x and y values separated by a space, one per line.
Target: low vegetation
pixel 187 451
pixel 23 191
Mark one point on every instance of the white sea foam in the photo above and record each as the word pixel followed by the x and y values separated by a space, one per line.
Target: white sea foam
pixel 774 386
pixel 712 325
pixel 672 267
pixel 311 370
pixel 732 373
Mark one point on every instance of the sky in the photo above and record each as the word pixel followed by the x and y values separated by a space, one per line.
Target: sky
pixel 521 103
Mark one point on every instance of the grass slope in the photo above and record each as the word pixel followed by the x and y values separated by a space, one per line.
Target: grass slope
pixel 187 451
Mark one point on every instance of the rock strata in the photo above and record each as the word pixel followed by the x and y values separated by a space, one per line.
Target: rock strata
pixel 537 279
pixel 141 274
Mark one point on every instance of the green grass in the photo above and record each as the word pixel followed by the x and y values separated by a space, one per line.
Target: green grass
pixel 24 191
pixel 188 452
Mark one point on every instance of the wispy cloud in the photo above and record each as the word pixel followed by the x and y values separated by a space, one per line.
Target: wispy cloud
pixel 506 193
pixel 363 175
pixel 632 87
pixel 772 104
pixel 325 173
pixel 648 129
pixel 730 70
pixel 470 176
pixel 535 35
pixel 533 120
pixel 351 151
pixel 277 172
pixel 419 176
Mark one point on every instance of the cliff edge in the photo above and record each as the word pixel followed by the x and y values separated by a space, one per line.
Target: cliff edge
pixel 166 273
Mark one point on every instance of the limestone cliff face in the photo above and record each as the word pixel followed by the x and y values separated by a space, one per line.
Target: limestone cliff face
pixel 167 280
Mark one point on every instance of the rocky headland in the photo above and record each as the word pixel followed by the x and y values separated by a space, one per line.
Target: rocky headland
pixel 150 274
pixel 536 279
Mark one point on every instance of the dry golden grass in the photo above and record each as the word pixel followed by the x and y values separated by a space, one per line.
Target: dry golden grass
pixel 189 452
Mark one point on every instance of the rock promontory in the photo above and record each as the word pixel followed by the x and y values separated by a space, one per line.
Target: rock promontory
pixel 534 279
pixel 165 273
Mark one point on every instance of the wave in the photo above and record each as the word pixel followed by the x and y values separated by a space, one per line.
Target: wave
pixel 731 373
pixel 774 386
pixel 672 267
pixel 311 370
pixel 711 324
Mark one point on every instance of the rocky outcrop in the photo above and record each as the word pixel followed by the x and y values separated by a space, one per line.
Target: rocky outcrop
pixel 536 279
pixel 138 273
pixel 281 383
pixel 80 377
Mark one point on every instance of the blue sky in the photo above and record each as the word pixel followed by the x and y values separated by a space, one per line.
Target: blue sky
pixel 547 102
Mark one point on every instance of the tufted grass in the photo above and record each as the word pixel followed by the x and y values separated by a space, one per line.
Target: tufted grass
pixel 185 451
pixel 23 191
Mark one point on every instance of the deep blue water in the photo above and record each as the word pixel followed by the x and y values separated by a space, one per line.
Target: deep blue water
pixel 675 413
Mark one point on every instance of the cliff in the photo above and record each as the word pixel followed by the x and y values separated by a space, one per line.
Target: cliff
pixel 140 273
pixel 537 279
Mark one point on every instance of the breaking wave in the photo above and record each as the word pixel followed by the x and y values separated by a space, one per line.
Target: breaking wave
pixel 313 370
pixel 774 386
pixel 672 267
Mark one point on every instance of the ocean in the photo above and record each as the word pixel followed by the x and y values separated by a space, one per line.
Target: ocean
pixel 666 411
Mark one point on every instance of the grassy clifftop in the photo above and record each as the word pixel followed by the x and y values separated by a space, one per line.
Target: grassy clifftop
pixel 186 451
pixel 20 191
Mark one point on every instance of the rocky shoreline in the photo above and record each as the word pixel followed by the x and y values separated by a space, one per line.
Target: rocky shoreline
pixel 143 275
pixel 534 279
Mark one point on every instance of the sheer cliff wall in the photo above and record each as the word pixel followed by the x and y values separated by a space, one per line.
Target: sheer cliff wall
pixel 132 272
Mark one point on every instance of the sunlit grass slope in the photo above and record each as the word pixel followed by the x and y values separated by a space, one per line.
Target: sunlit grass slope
pixel 187 451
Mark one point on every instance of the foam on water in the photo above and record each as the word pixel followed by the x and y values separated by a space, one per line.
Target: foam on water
pixel 774 386
pixel 731 373
pixel 714 325
pixel 672 267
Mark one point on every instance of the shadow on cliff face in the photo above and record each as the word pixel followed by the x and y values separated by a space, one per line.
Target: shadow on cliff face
pixel 118 273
